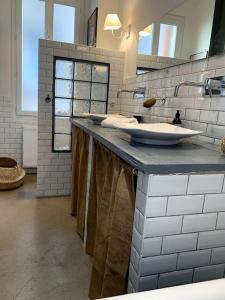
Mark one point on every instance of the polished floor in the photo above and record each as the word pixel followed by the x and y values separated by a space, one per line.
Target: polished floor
pixel 41 256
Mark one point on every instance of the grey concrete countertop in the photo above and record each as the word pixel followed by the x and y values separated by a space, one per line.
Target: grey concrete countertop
pixel 187 157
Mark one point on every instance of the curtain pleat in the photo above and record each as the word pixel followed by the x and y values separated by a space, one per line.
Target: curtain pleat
pixel 110 223
pixel 79 177
pixel 99 169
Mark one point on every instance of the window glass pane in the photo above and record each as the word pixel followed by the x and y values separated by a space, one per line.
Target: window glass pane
pixel 98 107
pixel 33 28
pixel 100 73
pixel 62 142
pixel 99 92
pixel 62 125
pixel 64 23
pixel 82 90
pixel 63 88
pixel 167 40
pixel 64 69
pixel 146 40
pixel 145 45
pixel 80 107
pixel 63 107
pixel 82 71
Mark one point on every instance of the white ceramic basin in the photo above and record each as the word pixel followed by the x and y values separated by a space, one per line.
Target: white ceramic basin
pixel 156 133
pixel 98 118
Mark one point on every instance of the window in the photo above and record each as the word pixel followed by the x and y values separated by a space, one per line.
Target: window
pixel 64 23
pixel 145 44
pixel 163 38
pixel 79 87
pixel 33 28
pixel 146 41
pixel 167 40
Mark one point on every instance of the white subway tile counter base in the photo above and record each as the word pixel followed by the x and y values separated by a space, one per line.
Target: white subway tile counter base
pixel 179 219
pixel 182 238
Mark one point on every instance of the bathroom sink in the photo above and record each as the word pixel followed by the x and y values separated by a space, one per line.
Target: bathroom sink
pixel 98 118
pixel 156 133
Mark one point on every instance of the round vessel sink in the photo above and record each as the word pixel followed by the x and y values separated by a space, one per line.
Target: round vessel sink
pixel 156 133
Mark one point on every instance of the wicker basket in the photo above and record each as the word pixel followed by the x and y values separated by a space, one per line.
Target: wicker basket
pixel 11 175
pixel 223 145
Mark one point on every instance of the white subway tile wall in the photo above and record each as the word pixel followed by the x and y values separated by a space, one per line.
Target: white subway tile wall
pixel 179 243
pixel 221 221
pixel 11 131
pixel 210 184
pixel 158 264
pixel 199 222
pixel 197 112
pixel 54 169
pixel 183 237
pixel 194 259
pixel 148 283
pixel 209 273
pixel 175 278
pixel 214 202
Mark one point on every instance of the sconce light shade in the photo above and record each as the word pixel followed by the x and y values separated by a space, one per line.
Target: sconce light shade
pixel 112 22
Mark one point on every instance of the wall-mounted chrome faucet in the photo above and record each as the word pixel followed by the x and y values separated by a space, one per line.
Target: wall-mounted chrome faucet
pixel 216 86
pixel 211 86
pixel 139 91
pixel 202 85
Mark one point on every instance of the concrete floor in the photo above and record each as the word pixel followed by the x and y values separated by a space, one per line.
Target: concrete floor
pixel 41 256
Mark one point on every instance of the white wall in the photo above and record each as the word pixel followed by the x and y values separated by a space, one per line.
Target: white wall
pixel 198 16
pixel 105 39
pixel 141 13
pixel 5 48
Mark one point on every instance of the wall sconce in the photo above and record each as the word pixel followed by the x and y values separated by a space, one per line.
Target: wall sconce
pixel 112 22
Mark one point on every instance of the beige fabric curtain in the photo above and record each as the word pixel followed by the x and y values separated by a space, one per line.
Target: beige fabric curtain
pixel 110 223
pixel 79 177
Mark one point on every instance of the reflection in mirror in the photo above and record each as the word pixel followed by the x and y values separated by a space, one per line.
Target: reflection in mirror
pixel 180 36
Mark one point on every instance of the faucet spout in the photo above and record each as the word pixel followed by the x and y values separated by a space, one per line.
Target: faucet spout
pixel 137 91
pixel 189 83
pixel 123 91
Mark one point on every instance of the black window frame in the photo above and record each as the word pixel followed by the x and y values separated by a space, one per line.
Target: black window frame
pixel 72 99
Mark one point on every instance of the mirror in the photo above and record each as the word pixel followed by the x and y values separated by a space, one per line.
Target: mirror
pixel 180 36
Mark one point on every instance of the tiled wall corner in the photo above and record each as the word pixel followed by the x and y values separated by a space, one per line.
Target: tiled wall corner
pixel 179 233
pixel 54 169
